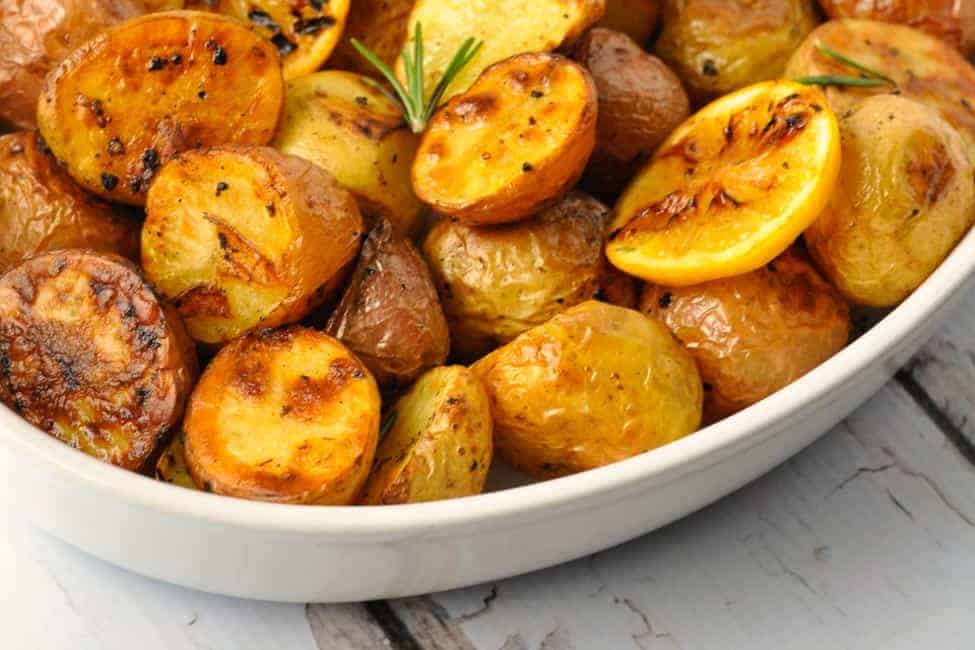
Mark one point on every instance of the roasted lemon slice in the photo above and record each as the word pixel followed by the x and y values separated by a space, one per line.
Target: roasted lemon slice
pixel 731 188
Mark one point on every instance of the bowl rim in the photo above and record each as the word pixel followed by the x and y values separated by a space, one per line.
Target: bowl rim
pixel 536 500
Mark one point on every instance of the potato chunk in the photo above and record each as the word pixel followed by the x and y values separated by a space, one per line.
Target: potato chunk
pixel 755 333
pixel 512 144
pixel 90 356
pixel 635 18
pixel 352 130
pixel 390 315
pixel 594 385
pixel 129 100
pixel 42 209
pixel 171 466
pixel 244 238
pixel 904 199
pixel 381 25
pixel 289 416
pixel 439 443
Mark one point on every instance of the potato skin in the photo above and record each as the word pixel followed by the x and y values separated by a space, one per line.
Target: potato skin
pixel 439 445
pixel 496 282
pixel 594 385
pixel 512 145
pixel 754 333
pixel 36 35
pixel 635 18
pixel 127 101
pixel 381 25
pixel 717 46
pixel 390 315
pixel 42 209
pixel 89 355
pixel 286 416
pixel 641 101
pixel 904 199
pixel 171 466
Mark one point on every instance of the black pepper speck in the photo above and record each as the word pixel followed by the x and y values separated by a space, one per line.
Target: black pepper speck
pixel 109 181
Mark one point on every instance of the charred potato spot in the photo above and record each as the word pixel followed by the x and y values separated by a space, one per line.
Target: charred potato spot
pixel 439 445
pixel 755 333
pixel 88 355
pixel 231 264
pixel 594 385
pixel 511 145
pixel 286 416
pixel 128 101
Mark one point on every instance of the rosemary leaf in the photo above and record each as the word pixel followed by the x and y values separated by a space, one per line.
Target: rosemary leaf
pixel 856 65
pixel 840 80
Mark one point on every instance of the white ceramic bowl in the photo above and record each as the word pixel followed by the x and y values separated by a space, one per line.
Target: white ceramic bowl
pixel 301 554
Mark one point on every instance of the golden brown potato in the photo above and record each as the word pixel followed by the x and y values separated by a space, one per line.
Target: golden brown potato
pixel 132 98
pixel 355 132
pixel 512 144
pixel 641 101
pixel 240 238
pixel 923 67
pixel 903 200
pixel 288 416
pixel 42 209
pixel 381 25
pixel 507 28
pixel 153 6
pixel 717 46
pixel 36 35
pixel 90 356
pixel 390 316
pixel 304 31
pixel 439 443
pixel 755 333
pixel 594 385
pixel 171 466
pixel 635 18
pixel 496 282
pixel 952 21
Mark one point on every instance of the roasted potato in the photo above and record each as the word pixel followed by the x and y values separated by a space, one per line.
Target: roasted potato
pixel 390 316
pixel 635 18
pixel 349 128
pixel 594 385
pixel 507 28
pixel 922 67
pixel 36 35
pixel 511 145
pixel 439 443
pixel 153 6
pixel 42 209
pixel 755 333
pixel 304 31
pixel 496 282
pixel 90 356
pixel 904 199
pixel 129 100
pixel 952 21
pixel 171 466
pixel 641 101
pixel 289 416
pixel 717 46
pixel 240 238
pixel 381 25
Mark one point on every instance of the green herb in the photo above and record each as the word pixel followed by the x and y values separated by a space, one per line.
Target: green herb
pixel 856 65
pixel 871 79
pixel 415 111
pixel 387 424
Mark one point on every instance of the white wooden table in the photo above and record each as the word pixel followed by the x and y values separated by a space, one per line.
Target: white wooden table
pixel 865 540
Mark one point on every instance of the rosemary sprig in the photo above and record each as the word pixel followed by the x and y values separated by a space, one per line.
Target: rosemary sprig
pixel 856 65
pixel 416 112
pixel 871 78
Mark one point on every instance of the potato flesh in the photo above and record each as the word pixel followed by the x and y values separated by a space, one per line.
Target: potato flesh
pixel 439 445
pixel 125 103
pixel 171 466
pixel 507 28
pixel 594 385
pixel 288 416
pixel 356 133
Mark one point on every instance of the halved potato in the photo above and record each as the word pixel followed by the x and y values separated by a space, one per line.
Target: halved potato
pixel 507 28
pixel 439 443
pixel 129 100
pixel 241 238
pixel 594 385
pixel 89 355
pixel 905 197
pixel 42 209
pixel 304 31
pixel 352 130
pixel 289 416
pixel 381 25
pixel 171 466
pixel 635 18
pixel 754 333
pixel 512 144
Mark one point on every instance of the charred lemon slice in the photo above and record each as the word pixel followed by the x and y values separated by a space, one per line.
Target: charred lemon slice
pixel 730 189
